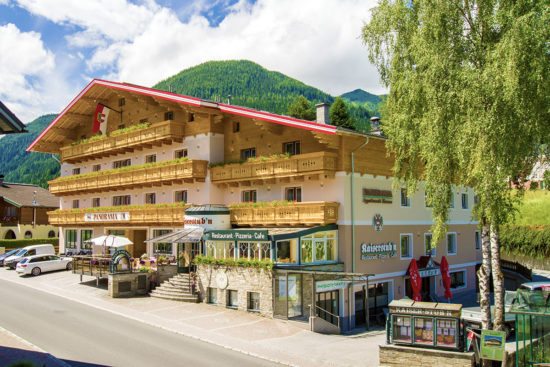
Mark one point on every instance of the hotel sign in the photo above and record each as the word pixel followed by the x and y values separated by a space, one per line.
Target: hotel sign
pixel 370 251
pixel 232 235
pixel 429 272
pixel 107 217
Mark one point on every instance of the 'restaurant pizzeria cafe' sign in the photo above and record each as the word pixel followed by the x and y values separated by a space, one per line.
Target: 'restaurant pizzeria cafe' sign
pixel 107 217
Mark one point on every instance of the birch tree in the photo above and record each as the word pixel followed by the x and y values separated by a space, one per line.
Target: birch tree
pixel 468 104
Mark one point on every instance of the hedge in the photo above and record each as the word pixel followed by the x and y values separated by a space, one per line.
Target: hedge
pixel 525 240
pixel 245 263
pixel 8 244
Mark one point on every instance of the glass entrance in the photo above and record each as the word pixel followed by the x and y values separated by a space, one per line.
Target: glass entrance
pixel 185 255
pixel 360 314
pixel 328 306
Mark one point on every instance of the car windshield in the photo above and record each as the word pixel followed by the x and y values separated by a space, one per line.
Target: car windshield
pixel 12 252
pixel 21 252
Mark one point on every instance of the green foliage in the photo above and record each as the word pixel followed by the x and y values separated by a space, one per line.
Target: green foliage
pixel 21 167
pixel 534 209
pixel 339 114
pixel 533 186
pixel 129 129
pixel 245 263
pixel 469 96
pixel 546 180
pixel 124 207
pixel 29 241
pixel 526 240
pixel 303 109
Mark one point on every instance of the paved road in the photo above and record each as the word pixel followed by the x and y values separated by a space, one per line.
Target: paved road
pixel 85 336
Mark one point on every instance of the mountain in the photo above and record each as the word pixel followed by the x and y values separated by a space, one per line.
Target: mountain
pixel 19 166
pixel 361 98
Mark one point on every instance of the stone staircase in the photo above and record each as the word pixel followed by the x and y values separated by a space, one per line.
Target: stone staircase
pixel 176 289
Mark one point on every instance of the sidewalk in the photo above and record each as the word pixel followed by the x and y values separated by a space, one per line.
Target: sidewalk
pixel 14 349
pixel 286 342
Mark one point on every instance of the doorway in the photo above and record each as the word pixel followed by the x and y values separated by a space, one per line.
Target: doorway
pixel 427 292
pixel 360 314
pixel 139 237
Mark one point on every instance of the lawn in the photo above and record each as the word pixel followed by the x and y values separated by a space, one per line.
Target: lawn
pixel 535 209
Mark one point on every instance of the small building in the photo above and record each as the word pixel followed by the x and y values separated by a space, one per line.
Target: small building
pixel 23 211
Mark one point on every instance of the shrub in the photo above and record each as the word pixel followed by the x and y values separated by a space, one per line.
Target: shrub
pixel 525 240
pixel 8 244
pixel 243 263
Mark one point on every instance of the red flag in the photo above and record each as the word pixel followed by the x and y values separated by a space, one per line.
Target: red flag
pixel 100 119
pixel 416 280
pixel 446 277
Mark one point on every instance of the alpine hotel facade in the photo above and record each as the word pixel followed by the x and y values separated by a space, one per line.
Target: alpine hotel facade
pixel 134 159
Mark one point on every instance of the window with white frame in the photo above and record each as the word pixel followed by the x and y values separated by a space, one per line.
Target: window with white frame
pixel 253 301
pixel 291 147
pixel 293 194
pixel 254 250
pixel 180 196
pixel 162 248
pixel 428 245
pixel 76 171
pixel 248 153
pixel 151 158
pixel 96 167
pixel 85 236
pixel 181 153
pixel 458 279
pixel 96 202
pixel 405 199
pixel 220 249
pixel 76 204
pixel 150 198
pixel 451 243
pixel 319 247
pixel 248 196
pixel 70 238
pixel 406 246
pixel 121 200
pixel 477 240
pixel 122 163
pixel 464 200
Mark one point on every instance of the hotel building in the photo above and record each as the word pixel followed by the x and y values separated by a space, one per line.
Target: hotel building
pixel 312 197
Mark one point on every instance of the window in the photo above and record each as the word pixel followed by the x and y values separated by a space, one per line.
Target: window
pixel 254 250
pixel 70 238
pixel 236 126
pixel 181 153
pixel 121 200
pixel 76 171
pixel 190 117
pixel 150 198
pixel 291 147
pixel 451 243
pixel 162 248
pixel 96 202
pixel 405 199
pixel 424 330
pixel 464 200
pixel 51 234
pixel 212 295
pixel 76 204
pixel 121 102
pixel 428 244
pixel 253 301
pixel 180 196
pixel 452 200
pixel 96 168
pixel 85 235
pixel 446 333
pixel 122 163
pixel 402 328
pixel 248 153
pixel 220 249
pixel 477 237
pixel 293 194
pixel 169 115
pixel 406 246
pixel 152 158
pixel 232 298
pixel 319 247
pixel 458 279
pixel 287 251
pixel 248 196
pixel 28 234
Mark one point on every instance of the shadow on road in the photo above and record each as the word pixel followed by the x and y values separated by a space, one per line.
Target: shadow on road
pixel 16 357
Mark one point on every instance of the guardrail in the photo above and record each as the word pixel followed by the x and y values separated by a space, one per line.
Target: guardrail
pixel 516 268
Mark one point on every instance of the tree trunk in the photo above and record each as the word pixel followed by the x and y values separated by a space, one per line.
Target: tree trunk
pixel 484 277
pixel 498 280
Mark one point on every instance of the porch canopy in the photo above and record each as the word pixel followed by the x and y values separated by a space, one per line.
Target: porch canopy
pixel 185 235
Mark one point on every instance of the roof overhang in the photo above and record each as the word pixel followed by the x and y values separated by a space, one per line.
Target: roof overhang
pixel 9 123
pixel 96 86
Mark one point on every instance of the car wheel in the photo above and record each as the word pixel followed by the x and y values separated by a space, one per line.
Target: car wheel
pixel 70 266
pixel 36 271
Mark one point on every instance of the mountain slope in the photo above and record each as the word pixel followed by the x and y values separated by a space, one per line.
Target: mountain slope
pixel 362 99
pixel 19 166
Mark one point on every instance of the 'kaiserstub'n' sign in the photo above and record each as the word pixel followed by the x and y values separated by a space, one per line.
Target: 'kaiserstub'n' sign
pixel 377 196
pixel 107 217
pixel 370 251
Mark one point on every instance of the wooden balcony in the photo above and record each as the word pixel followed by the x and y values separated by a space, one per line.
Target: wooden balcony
pixel 298 166
pixel 284 214
pixel 153 174
pixel 151 214
pixel 157 134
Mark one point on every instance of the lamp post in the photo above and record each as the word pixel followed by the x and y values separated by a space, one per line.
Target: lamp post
pixel 34 205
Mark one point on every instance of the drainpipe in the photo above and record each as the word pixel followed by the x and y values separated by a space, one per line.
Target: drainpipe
pixel 352 204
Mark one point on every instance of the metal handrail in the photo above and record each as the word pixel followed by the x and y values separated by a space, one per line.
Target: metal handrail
pixel 329 313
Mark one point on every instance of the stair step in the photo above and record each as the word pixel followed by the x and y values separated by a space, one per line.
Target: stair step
pixel 191 299
pixel 173 291
pixel 175 286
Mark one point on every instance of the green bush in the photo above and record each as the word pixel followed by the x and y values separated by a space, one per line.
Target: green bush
pixel 8 244
pixel 525 240
pixel 244 263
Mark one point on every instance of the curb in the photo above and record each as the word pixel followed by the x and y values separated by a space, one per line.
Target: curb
pixel 24 341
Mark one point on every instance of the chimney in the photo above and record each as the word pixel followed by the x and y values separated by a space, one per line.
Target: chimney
pixel 322 113
pixel 375 125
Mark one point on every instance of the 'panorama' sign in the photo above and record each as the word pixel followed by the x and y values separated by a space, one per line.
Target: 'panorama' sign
pixel 234 235
pixel 107 217
pixel 370 251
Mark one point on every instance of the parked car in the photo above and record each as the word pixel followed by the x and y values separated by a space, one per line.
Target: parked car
pixel 11 261
pixel 536 286
pixel 6 255
pixel 38 264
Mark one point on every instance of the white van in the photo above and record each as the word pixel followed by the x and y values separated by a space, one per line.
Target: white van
pixel 11 262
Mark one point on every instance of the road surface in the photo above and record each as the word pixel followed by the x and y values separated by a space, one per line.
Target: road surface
pixel 85 336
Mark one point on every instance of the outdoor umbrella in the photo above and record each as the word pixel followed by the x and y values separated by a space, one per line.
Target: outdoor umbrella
pixel 110 241
pixel 416 280
pixel 444 266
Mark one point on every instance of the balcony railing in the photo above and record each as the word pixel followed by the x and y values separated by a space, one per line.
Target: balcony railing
pixel 292 214
pixel 270 168
pixel 128 177
pixel 156 134
pixel 150 214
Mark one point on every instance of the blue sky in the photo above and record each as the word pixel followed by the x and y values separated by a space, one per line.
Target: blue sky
pixel 50 49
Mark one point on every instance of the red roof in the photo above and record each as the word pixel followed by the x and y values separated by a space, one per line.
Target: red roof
pixel 193 101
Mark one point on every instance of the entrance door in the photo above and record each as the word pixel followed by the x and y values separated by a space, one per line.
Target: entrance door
pixel 328 306
pixel 139 237
pixel 360 314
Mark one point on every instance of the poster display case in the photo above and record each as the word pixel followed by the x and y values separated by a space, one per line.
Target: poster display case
pixel 425 324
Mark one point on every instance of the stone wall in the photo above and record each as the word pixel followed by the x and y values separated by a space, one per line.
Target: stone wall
pixel 396 355
pixel 129 284
pixel 165 272
pixel 242 280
